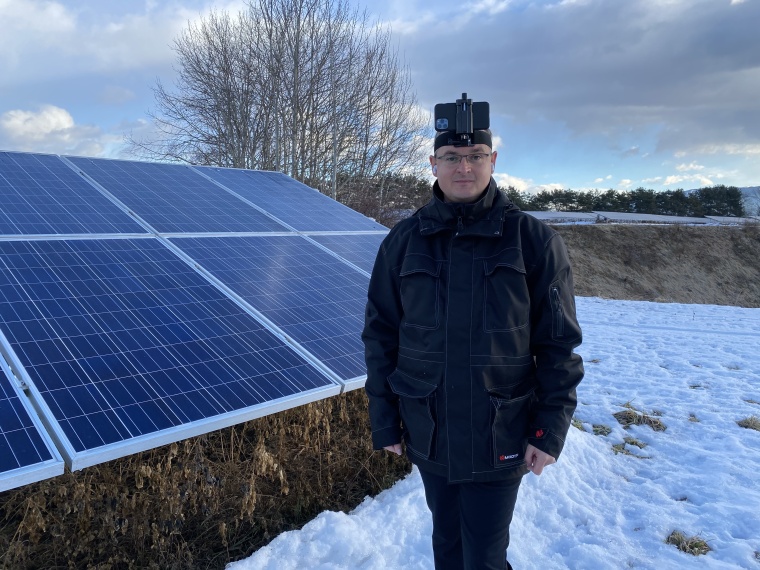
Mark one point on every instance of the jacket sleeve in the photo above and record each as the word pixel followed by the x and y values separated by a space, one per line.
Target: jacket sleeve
pixel 554 334
pixel 381 325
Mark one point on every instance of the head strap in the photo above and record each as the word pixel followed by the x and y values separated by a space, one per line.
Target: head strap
pixel 448 138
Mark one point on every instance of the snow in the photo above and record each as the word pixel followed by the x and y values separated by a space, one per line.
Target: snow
pixel 696 365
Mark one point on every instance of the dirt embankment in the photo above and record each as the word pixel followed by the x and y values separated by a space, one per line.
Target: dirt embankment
pixel 667 263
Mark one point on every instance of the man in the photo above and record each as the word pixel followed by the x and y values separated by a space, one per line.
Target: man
pixel 469 334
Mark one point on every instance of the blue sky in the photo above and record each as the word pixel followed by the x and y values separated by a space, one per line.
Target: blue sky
pixel 584 94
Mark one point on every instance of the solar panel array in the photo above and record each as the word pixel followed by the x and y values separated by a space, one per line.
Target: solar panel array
pixel 143 303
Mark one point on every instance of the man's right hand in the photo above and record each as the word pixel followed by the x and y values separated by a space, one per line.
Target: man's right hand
pixel 395 448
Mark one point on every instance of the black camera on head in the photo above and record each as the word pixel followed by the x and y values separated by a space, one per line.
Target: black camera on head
pixel 463 123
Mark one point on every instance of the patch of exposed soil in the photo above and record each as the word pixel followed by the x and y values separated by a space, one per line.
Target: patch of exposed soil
pixel 668 263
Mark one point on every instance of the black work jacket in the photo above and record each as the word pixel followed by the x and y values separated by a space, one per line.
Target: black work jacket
pixel 469 334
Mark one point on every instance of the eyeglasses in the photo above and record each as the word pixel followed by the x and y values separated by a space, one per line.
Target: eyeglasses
pixel 456 159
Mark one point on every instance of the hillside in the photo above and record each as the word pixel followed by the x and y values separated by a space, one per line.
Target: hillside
pixel 205 501
pixel 664 263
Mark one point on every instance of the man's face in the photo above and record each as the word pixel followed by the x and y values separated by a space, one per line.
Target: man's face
pixel 465 180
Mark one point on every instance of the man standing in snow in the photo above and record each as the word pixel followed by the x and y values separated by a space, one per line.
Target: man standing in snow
pixel 469 334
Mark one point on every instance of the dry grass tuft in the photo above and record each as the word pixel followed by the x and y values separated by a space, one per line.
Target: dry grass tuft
pixel 694 545
pixel 623 449
pixel 630 416
pixel 601 429
pixel 202 502
pixel 752 422
pixel 634 441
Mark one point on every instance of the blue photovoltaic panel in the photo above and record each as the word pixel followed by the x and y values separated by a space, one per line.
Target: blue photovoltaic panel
pixel 123 339
pixel 174 199
pixel 39 194
pixel 297 205
pixel 24 455
pixel 359 249
pixel 312 296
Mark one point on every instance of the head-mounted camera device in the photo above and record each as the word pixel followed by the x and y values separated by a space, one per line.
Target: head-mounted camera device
pixel 463 123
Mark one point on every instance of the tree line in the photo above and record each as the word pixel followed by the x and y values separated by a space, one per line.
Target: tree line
pixel 400 195
pixel 717 200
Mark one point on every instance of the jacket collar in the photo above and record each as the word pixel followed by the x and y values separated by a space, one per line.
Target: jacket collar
pixel 482 217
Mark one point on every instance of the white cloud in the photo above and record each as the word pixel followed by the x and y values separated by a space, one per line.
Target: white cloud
pixel 652 180
pixel 520 184
pixel 740 149
pixel 625 183
pixel 51 129
pixel 525 184
pixel 534 189
pixel 491 7
pixel 690 166
pixel 29 125
pixel 496 141
pixel 695 179
pixel 42 19
pixel 43 40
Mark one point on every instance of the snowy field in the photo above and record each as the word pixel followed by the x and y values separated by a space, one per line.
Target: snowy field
pixel 696 369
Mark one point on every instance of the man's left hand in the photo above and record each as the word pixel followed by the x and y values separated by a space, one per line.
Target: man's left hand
pixel 536 459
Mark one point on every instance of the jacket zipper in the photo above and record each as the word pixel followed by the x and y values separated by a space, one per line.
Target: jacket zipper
pixel 559 316
pixel 460 223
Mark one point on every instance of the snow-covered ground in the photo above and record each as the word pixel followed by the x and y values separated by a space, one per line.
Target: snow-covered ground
pixel 696 368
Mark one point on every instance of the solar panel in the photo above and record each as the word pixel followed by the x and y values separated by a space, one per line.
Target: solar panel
pixel 359 249
pixel 297 205
pixel 39 194
pixel 126 340
pixel 129 347
pixel 174 198
pixel 315 298
pixel 26 453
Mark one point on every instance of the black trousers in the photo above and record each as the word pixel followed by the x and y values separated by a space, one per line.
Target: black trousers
pixel 470 522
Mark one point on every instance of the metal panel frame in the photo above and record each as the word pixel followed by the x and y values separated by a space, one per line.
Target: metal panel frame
pixel 39 471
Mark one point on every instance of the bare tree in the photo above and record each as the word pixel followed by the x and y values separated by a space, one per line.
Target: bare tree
pixel 305 87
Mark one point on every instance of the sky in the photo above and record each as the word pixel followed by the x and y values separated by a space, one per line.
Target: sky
pixel 584 94
pixel 695 368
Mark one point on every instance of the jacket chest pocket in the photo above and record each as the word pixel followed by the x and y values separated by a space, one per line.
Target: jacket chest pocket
pixel 506 299
pixel 420 291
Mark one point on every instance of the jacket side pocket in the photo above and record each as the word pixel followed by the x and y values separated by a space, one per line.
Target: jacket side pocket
pixel 509 428
pixel 416 407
